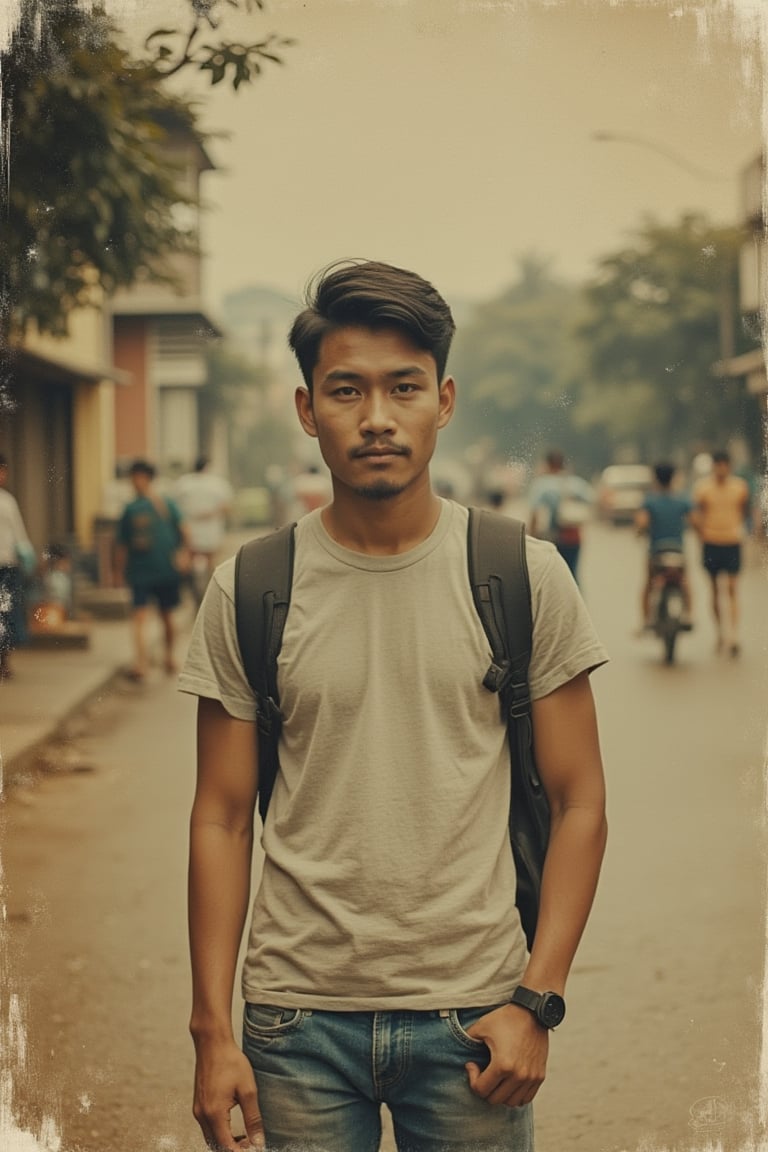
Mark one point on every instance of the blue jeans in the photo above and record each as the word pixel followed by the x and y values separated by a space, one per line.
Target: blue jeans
pixel 323 1076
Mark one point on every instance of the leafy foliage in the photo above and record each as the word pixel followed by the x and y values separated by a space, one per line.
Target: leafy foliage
pixel 236 388
pixel 623 363
pixel 661 312
pixel 516 363
pixel 91 201
pixel 241 63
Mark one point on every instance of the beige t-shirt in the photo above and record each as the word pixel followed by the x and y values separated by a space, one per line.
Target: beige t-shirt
pixel 388 879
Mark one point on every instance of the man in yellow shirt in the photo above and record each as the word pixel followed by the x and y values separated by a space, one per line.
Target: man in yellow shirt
pixel 721 503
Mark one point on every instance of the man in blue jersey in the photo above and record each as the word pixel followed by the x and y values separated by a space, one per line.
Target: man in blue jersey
pixel 664 516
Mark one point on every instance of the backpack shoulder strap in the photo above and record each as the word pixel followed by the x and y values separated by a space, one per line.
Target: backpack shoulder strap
pixel 263 578
pixel 498 574
pixel 501 590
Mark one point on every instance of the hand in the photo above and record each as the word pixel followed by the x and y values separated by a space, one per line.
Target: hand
pixel 519 1046
pixel 224 1078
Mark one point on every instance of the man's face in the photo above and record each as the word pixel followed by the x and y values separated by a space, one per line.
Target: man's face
pixel 375 410
pixel 721 469
pixel 141 482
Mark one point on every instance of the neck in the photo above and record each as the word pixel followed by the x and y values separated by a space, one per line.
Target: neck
pixel 382 527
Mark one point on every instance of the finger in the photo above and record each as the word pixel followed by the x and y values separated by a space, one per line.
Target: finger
pixel 518 1093
pixel 254 1137
pixel 484 1082
pixel 254 1127
pixel 221 1138
pixel 473 1071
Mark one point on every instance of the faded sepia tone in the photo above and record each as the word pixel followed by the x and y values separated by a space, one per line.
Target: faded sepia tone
pixel 453 138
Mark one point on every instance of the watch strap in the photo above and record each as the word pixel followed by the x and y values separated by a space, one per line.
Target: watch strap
pixel 526 998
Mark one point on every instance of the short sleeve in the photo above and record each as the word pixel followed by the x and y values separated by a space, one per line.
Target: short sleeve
pixel 213 667
pixel 565 642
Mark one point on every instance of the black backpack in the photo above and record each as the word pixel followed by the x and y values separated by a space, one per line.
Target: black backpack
pixel 498 575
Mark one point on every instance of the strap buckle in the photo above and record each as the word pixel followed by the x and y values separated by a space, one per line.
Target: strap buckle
pixel 268 716
pixel 519 699
pixel 497 676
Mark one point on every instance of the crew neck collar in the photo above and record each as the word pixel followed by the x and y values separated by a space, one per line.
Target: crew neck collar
pixel 390 563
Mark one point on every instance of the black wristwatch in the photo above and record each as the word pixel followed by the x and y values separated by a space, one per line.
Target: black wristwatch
pixel 547 1007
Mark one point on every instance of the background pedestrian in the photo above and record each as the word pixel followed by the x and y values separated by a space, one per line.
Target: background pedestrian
pixel 721 507
pixel 204 500
pixel 151 542
pixel 17 561
pixel 559 506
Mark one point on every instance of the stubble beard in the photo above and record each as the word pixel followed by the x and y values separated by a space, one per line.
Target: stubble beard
pixel 382 490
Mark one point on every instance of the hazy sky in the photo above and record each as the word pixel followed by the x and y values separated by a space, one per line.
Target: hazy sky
pixel 450 136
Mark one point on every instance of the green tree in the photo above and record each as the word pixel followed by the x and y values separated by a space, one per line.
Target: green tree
pixel 90 204
pixel 173 49
pixel 236 390
pixel 517 364
pixel 660 313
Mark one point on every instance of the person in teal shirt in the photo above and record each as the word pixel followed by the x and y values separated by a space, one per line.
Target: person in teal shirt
pixel 664 517
pixel 151 541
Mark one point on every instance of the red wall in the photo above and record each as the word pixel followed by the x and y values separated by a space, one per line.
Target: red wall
pixel 132 401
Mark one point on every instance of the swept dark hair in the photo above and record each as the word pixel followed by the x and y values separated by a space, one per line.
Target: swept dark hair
pixel 664 473
pixel 142 467
pixel 370 294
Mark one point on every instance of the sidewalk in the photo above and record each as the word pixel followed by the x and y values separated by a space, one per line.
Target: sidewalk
pixel 49 685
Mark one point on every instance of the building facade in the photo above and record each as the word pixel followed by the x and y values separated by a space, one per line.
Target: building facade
pixel 160 334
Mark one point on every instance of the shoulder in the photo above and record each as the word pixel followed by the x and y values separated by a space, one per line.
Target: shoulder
pixel 224 578
pixel 540 557
pixel 538 487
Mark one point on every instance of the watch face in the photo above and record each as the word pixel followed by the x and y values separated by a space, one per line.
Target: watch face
pixel 551 1009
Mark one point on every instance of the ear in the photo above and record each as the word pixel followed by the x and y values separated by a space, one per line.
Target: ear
pixel 447 401
pixel 303 401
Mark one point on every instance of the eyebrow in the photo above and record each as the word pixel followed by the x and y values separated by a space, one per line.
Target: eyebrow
pixel 347 374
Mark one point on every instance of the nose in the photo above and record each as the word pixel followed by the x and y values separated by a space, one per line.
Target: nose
pixel 377 418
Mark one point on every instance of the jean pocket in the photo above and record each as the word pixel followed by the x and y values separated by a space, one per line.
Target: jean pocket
pixel 267 1021
pixel 460 1019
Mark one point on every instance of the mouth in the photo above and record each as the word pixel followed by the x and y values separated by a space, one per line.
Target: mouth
pixel 384 452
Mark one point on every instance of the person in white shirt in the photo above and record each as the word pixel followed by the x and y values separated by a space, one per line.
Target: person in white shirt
pixel 15 552
pixel 204 499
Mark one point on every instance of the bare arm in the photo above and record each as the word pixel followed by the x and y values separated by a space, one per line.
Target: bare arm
pixel 221 845
pixel 568 757
pixel 120 560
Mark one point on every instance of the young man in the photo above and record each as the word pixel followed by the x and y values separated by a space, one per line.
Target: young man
pixel 664 516
pixel 721 506
pixel 385 945
pixel 149 535
pixel 560 503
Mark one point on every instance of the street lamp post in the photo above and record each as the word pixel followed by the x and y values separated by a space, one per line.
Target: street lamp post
pixel 604 137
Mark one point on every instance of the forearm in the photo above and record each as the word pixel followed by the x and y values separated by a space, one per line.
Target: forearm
pixel 571 871
pixel 219 888
pixel 120 559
